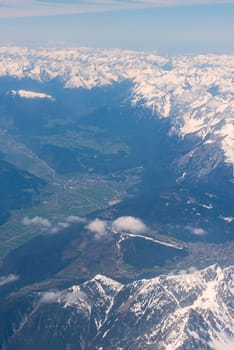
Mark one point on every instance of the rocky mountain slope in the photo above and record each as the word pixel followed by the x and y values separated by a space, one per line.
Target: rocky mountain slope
pixel 193 310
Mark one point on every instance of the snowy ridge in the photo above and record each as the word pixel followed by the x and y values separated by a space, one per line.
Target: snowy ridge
pixel 196 92
pixel 173 312
pixel 190 299
pixel 187 311
pixel 95 296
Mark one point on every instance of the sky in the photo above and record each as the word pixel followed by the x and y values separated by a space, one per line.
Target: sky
pixel 166 26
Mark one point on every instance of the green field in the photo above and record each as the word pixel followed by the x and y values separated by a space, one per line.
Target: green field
pixel 99 141
pixel 77 197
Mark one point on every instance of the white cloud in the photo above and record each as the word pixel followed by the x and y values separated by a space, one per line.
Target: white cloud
pixel 74 219
pixel 67 297
pixel 192 269
pixel 63 224
pixel 50 297
pixel 196 231
pixel 8 279
pixel 24 8
pixel 129 224
pixel 98 227
pixel 55 229
pixel 37 220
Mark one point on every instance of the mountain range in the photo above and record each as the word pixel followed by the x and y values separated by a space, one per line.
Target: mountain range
pixel 193 310
pixel 116 208
pixel 195 92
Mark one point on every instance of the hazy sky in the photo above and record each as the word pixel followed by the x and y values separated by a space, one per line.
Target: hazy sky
pixel 168 26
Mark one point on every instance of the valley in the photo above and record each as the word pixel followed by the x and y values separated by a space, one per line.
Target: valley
pixel 106 184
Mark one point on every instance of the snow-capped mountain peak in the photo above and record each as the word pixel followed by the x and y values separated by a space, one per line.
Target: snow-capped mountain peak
pixel 194 92
pixel 192 310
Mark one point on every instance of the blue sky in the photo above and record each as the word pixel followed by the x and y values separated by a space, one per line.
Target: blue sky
pixel 168 26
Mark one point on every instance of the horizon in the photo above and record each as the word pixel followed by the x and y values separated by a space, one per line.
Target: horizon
pixel 62 47
pixel 169 30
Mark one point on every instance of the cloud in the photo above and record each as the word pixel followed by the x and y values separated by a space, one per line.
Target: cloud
pixel 59 227
pixel 98 227
pixel 50 297
pixel 74 219
pixel 66 223
pixel 24 8
pixel 63 224
pixel 196 230
pixel 37 220
pixel 192 269
pixel 55 229
pixel 8 279
pixel 129 224
pixel 67 297
pixel 72 297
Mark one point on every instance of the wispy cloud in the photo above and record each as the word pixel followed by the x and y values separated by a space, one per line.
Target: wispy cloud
pixel 8 279
pixel 60 227
pixel 196 230
pixel 27 8
pixel 36 220
pixel 51 297
pixel 74 219
pixel 67 297
pixel 98 227
pixel 63 224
